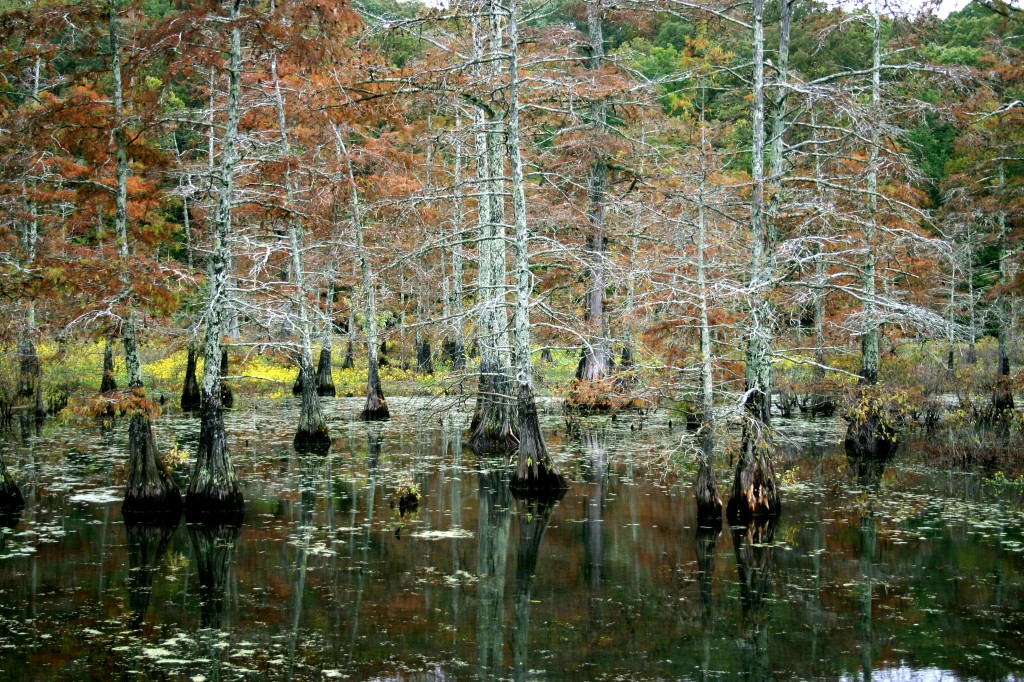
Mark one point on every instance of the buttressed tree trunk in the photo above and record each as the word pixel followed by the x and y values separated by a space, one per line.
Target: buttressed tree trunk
pixel 149 487
pixel 214 487
pixel 536 472
pixel 190 395
pixel 754 491
pixel 492 428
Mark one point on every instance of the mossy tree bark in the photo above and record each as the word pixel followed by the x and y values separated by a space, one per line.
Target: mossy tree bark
pixel 214 487
pixel 754 490
pixel 493 425
pixel 536 471
pixel 149 488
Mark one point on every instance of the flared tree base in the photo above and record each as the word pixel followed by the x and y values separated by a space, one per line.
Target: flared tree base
pixel 536 474
pixel 376 409
pixel 324 379
pixel 755 494
pixel 150 489
pixel 709 505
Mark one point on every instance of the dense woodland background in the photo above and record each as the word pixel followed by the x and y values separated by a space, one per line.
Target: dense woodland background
pixel 703 204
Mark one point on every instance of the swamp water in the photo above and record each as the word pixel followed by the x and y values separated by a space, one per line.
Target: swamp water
pixel 906 574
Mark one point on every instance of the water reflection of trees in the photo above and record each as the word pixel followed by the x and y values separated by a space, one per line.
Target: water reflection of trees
pixel 533 516
pixel 707 547
pixel 213 547
pixel 755 554
pixel 492 554
pixel 148 541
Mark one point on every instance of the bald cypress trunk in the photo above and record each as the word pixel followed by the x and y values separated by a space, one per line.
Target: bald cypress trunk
pixel 709 504
pixel 214 487
pixel 107 383
pixel 754 490
pixel 493 424
pixel 536 472
pixel 1002 393
pixel 324 370
pixel 376 407
pixel 868 434
pixel 595 364
pixel 190 395
pixel 149 487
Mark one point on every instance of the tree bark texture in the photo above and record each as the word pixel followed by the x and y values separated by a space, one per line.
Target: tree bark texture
pixel 755 492
pixel 190 395
pixel 214 487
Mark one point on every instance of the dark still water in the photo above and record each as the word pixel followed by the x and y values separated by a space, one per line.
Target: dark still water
pixel 906 574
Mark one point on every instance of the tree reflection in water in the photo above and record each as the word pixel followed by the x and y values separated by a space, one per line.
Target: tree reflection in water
pixel 148 540
pixel 707 546
pixel 213 547
pixel 492 554
pixel 534 516
pixel 755 556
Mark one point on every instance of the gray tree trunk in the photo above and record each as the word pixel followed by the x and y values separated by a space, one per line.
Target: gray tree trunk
pixel 536 472
pixel 149 487
pixel 594 365
pixel 754 490
pixel 492 426
pixel 214 487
